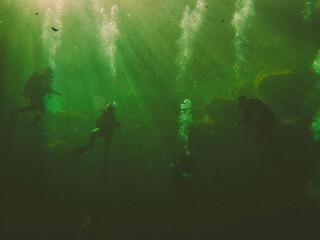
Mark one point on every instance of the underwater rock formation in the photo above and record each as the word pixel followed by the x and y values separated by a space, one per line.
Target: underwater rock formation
pixel 229 156
pixel 211 139
pixel 246 88
pixel 285 91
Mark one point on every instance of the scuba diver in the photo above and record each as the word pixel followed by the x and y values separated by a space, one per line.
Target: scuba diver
pixel 105 127
pixel 258 115
pixel 36 88
pixel 182 169
pixel 182 176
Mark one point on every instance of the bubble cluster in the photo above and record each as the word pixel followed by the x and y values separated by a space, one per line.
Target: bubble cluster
pixel 51 40
pixel 108 33
pixel 185 119
pixel 190 25
pixel 316 64
pixel 243 13
pixel 312 7
pixel 315 126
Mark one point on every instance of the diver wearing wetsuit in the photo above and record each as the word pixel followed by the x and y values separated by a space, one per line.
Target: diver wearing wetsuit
pixel 105 126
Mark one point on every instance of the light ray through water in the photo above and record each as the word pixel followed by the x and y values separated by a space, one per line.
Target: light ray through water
pixel 108 33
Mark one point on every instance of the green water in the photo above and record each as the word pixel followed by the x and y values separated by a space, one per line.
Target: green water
pixel 150 57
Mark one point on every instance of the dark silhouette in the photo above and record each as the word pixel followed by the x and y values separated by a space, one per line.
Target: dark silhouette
pixel 182 168
pixel 36 88
pixel 182 176
pixel 258 115
pixel 54 29
pixel 105 127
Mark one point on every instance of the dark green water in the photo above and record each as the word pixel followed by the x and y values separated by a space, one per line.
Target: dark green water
pixel 149 56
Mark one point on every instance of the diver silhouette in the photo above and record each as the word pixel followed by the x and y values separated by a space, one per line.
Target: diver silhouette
pixel 105 127
pixel 182 177
pixel 182 168
pixel 36 88
pixel 258 115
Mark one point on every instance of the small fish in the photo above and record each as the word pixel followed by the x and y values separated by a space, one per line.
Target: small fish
pixel 55 29
pixel 36 13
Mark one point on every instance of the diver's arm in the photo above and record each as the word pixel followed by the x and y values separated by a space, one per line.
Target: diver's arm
pixel 55 93
pixel 51 91
pixel 246 120
pixel 240 122
pixel 119 131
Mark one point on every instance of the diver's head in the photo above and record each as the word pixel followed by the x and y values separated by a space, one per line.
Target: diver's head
pixel 241 100
pixel 110 108
pixel 48 71
pixel 185 155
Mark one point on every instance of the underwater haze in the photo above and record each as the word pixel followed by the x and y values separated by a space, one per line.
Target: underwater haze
pixel 173 71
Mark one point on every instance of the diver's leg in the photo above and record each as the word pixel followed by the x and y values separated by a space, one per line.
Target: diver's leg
pixel 262 135
pixel 39 105
pixel 15 112
pixel 106 149
pixel 36 119
pixel 94 134
pixel 24 109
pixel 264 152
pixel 79 151
pixel 265 140
pixel 268 144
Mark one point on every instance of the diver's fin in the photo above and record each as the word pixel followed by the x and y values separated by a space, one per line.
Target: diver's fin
pixel 79 151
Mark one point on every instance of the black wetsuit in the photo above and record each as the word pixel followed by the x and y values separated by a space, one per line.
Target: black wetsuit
pixel 35 89
pixel 182 178
pixel 258 115
pixel 105 127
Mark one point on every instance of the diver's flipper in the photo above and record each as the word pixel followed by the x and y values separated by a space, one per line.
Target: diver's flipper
pixel 79 151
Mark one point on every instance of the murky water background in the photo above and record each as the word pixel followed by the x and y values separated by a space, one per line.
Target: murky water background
pixel 174 68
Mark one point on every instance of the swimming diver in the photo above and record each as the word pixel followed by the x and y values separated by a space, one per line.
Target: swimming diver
pixel 182 176
pixel 182 168
pixel 105 127
pixel 258 115
pixel 36 88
